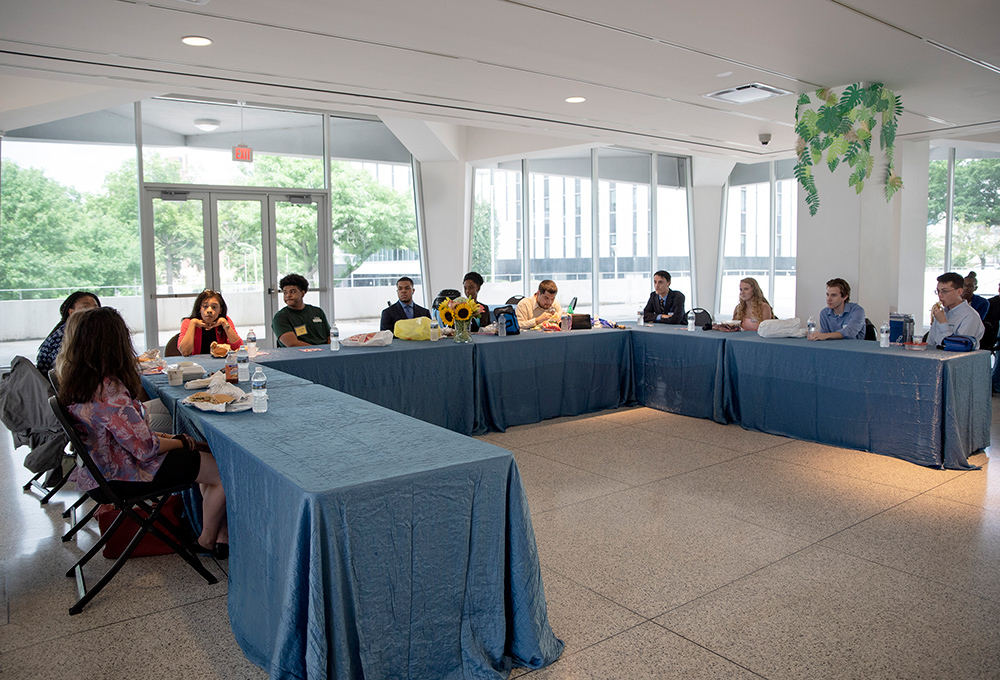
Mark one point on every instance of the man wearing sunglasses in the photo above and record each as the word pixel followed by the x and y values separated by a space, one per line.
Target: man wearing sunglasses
pixel 951 314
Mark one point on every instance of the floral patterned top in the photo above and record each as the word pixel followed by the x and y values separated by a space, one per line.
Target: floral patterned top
pixel 113 426
pixel 49 350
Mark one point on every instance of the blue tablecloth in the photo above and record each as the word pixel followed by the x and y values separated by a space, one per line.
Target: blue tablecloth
pixel 370 544
pixel 533 376
pixel 432 381
pixel 931 408
pixel 678 371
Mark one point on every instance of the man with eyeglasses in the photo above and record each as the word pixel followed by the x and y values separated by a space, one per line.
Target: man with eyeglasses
pixel 951 314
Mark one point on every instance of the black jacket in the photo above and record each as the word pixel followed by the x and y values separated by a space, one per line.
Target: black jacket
pixel 674 305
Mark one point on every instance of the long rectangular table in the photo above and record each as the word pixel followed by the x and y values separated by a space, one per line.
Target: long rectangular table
pixel 366 543
pixel 930 408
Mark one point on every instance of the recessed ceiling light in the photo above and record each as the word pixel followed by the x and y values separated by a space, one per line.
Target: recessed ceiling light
pixel 196 41
pixel 207 124
pixel 575 100
pixel 724 74
pixel 745 94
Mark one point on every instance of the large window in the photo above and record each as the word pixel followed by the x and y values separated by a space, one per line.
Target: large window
pixel 497 231
pixel 68 221
pixel 557 221
pixel 759 236
pixel 374 221
pixel 624 234
pixel 561 227
pixel 673 248
pixel 968 239
pixel 71 216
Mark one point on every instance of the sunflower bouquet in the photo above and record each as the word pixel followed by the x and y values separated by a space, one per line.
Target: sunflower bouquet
pixel 459 309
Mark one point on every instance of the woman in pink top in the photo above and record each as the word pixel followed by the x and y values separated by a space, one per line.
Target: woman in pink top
pixel 98 382
pixel 753 307
pixel 207 323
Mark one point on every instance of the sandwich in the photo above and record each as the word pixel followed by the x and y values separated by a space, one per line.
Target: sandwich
pixel 209 398
pixel 220 350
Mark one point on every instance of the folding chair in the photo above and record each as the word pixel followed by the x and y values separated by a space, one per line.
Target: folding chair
pixel 70 512
pixel 151 503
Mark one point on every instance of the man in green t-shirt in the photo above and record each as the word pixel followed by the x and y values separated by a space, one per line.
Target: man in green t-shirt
pixel 299 324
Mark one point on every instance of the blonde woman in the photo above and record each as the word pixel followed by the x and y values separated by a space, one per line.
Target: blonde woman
pixel 753 307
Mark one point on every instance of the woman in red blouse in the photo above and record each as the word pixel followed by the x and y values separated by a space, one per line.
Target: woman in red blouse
pixel 209 314
pixel 98 382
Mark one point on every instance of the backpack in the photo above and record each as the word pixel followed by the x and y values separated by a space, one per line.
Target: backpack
pixel 509 316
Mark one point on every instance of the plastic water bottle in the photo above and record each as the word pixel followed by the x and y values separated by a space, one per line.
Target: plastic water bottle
pixel 334 338
pixel 232 374
pixel 691 317
pixel 810 326
pixel 259 384
pixel 435 331
pixel 638 320
pixel 251 344
pixel 883 335
pixel 242 364
pixel 502 325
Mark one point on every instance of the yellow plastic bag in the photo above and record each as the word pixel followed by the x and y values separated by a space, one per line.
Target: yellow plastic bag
pixel 413 329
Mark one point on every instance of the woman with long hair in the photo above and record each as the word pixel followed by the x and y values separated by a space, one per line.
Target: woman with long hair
pixel 49 349
pixel 98 384
pixel 207 323
pixel 753 306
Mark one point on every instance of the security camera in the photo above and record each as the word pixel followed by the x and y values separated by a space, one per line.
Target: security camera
pixel 764 138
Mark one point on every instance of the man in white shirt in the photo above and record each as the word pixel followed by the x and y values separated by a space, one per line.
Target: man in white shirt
pixel 540 307
pixel 951 314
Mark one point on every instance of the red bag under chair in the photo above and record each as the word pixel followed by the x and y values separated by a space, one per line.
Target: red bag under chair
pixel 150 544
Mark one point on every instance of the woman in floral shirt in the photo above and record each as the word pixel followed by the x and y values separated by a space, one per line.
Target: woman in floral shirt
pixel 97 383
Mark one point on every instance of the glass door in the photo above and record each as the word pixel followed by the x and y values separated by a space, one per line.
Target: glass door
pixel 237 243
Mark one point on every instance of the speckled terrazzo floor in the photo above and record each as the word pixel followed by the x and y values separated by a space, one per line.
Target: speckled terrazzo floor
pixel 671 548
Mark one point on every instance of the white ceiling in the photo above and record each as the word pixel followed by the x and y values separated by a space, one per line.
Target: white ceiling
pixel 643 65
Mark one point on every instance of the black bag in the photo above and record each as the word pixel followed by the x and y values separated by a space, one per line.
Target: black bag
pixel 509 317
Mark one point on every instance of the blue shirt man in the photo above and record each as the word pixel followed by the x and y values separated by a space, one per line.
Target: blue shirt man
pixel 952 315
pixel 840 319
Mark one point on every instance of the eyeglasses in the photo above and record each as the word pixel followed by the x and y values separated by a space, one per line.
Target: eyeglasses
pixel 943 291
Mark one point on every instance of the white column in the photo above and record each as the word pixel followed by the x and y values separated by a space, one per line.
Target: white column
pixel 851 237
pixel 447 192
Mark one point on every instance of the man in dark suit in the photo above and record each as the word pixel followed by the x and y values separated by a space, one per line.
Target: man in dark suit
pixel 665 305
pixel 406 308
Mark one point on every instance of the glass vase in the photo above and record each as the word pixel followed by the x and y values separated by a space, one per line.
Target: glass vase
pixel 463 331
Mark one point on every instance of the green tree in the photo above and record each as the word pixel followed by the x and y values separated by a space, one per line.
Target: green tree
pixel 482 243
pixel 38 217
pixel 177 226
pixel 976 220
pixel 367 216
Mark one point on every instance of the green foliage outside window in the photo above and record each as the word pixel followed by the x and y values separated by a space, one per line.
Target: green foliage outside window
pixel 976 225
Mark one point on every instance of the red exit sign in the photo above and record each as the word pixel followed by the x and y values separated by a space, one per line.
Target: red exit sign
pixel 242 152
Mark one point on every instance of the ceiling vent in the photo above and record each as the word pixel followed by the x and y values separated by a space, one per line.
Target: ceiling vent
pixel 745 94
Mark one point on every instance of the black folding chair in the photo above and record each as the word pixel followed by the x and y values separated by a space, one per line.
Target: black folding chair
pixel 151 503
pixel 701 317
pixel 70 512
